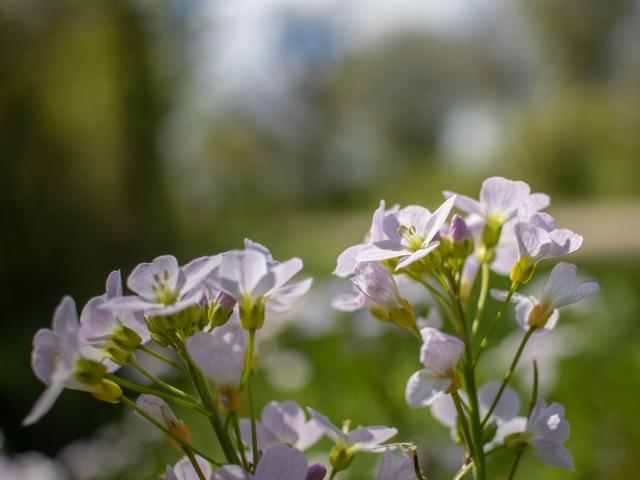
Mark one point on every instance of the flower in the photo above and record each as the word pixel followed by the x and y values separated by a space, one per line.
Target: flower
pixel 253 278
pixel 221 356
pixel 347 260
pixel 164 288
pixel 279 462
pixel 347 443
pixel 376 282
pixel 411 233
pixel 539 239
pixel 500 199
pixel 283 423
pixel 559 289
pixel 444 411
pixel 160 411
pixel 439 354
pixel 393 468
pixel 54 357
pixel 545 431
pixel 183 470
pixel 109 335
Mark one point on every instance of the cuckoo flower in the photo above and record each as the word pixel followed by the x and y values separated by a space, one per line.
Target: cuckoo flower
pixel 500 199
pixel 109 335
pixel 443 409
pixel 559 289
pixel 538 239
pixel 163 288
pixel 183 470
pixel 57 361
pixel 350 302
pixel 221 356
pixel 411 235
pixel 283 423
pixel 347 263
pixel 545 432
pixel 160 411
pixel 254 279
pixel 439 354
pixel 377 283
pixel 279 462
pixel 394 468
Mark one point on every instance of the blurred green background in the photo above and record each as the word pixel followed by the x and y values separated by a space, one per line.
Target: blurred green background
pixel 133 128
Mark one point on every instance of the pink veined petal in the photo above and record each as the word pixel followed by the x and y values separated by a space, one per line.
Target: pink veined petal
pixel 440 352
pixel 396 469
pixel 285 419
pixel 414 215
pixel 329 428
pixel 290 293
pixel 376 232
pixel 145 275
pixel 114 284
pixel 435 221
pixel 366 438
pixel 283 272
pixel 259 247
pixel 197 270
pixel 266 438
pixel 465 203
pixel 382 251
pixel 539 201
pixel 220 355
pixel 530 239
pixel 503 196
pixel 245 268
pixel 423 388
pixel 444 411
pixel 282 463
pixel 507 406
pixel 346 264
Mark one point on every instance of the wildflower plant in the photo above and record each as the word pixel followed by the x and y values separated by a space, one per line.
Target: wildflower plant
pixel 203 320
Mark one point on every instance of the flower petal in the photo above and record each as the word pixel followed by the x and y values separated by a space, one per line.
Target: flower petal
pixel 423 388
pixel 440 352
pixel 366 438
pixel 507 406
pixel 346 264
pixel 329 428
pixel 146 275
pixel 282 463
pixel 553 454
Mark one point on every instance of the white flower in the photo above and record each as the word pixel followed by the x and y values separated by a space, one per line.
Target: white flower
pixel 278 463
pixel 560 289
pixel 439 354
pixel 411 234
pixel 545 431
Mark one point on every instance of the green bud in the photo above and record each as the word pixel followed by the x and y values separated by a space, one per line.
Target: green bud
pixel 403 316
pixel 107 391
pixel 522 270
pixel 491 232
pixel 489 431
pixel 89 372
pixel 252 313
pixel 341 456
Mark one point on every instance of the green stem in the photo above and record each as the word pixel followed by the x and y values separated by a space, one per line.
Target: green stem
pixel 161 383
pixel 236 429
pixel 534 389
pixel 127 401
pixel 194 462
pixel 254 434
pixel 250 354
pixel 440 299
pixel 484 290
pixel 485 340
pixel 464 422
pixel 514 467
pixel 508 374
pixel 214 417
pixel 463 471
pixel 161 357
pixel 416 463
pixel 333 475
pixel 152 391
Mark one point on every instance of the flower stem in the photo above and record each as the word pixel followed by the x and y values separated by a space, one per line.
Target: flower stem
pixel 161 357
pixel 254 434
pixel 127 401
pixel 484 290
pixel 236 429
pixel 463 471
pixel 514 467
pixel 534 389
pixel 250 353
pixel 485 340
pixel 416 463
pixel 333 475
pixel 464 422
pixel 508 374
pixel 161 383
pixel 152 391
pixel 194 462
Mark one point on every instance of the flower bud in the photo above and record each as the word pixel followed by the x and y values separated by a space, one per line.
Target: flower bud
pixel 221 309
pixel 252 313
pixel 316 471
pixel 160 411
pixel 403 316
pixel 89 372
pixel 340 456
pixel 489 431
pixel 107 391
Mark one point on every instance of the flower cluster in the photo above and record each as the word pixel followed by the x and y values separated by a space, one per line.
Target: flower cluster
pixel 204 319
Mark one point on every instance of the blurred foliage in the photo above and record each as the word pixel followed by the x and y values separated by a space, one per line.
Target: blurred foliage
pixel 92 177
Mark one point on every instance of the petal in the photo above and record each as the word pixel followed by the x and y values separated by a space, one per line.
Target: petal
pixel 376 232
pixel 396 469
pixel 65 318
pixel 114 284
pixel 423 388
pixel 366 438
pixel 444 411
pixel 349 302
pixel 416 216
pixel 466 204
pixel 46 347
pixel 553 454
pixel 158 409
pixel 220 355
pixel 523 309
pixel 285 419
pixel 539 201
pixel 46 400
pixel 440 352
pixel 283 272
pixel 266 438
pixel 183 470
pixel 434 222
pixel 530 239
pixel 146 275
pixel 346 264
pixel 128 302
pixel 290 293
pixel 515 425
pixel 197 270
pixel 232 472
pixel 507 406
pixel 258 247
pixel 417 255
pixel 503 196
pixel 245 268
pixel 329 428
pixel 282 463
pixel 309 435
pixel 382 251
